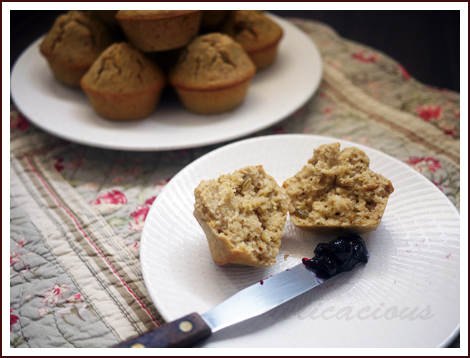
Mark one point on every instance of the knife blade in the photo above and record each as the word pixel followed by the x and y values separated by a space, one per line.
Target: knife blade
pixel 250 302
pixel 339 255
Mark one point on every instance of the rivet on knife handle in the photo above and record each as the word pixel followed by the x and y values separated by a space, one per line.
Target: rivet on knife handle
pixel 183 332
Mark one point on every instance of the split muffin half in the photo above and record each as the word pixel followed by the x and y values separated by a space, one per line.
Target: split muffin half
pixel 336 192
pixel 243 215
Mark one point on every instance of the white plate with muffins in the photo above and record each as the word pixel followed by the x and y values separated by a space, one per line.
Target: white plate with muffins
pixel 274 93
pixel 407 295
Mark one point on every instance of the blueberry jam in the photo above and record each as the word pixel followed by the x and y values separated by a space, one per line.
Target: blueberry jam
pixel 339 255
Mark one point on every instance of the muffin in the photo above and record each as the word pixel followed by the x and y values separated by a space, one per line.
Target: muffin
pixel 257 33
pixel 75 40
pixel 212 74
pixel 159 30
pixel 243 215
pixel 336 192
pixel 123 84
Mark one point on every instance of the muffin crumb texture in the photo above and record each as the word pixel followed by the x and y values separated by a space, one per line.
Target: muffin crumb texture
pixel 243 215
pixel 336 192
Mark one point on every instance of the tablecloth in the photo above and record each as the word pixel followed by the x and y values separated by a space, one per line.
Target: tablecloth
pixel 77 212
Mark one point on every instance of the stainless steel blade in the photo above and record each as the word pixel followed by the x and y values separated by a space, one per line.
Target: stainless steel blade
pixel 261 297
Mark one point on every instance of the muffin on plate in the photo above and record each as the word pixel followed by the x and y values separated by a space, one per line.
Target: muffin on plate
pixel 123 84
pixel 75 40
pixel 212 74
pixel 257 33
pixel 243 215
pixel 336 192
pixel 159 30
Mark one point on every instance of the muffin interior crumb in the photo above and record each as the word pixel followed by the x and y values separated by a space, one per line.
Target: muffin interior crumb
pixel 246 208
pixel 337 189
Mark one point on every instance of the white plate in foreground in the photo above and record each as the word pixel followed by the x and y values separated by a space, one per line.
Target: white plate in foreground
pixel 274 94
pixel 407 295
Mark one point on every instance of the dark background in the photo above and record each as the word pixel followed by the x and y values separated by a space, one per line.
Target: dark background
pixel 426 43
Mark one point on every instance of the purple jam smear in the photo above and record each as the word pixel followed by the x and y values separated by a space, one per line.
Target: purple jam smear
pixel 339 255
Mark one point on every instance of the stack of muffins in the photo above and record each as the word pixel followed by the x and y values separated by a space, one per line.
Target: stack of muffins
pixel 123 59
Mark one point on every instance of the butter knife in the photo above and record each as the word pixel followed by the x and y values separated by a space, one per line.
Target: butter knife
pixel 250 302
pixel 339 255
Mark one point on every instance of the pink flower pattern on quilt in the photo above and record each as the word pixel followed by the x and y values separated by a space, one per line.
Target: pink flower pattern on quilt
pixel 429 112
pixel 13 318
pixel 109 201
pixel 424 164
pixel 15 256
pixel 18 121
pixel 54 294
pixel 364 56
pixel 139 217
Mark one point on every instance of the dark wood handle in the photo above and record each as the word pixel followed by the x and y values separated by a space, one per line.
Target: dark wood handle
pixel 180 333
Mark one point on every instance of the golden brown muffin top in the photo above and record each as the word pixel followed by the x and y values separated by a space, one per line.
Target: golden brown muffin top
pixel 150 14
pixel 212 61
pixel 252 29
pixel 122 69
pixel 76 39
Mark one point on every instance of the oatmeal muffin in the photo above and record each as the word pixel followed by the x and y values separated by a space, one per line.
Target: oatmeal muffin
pixel 212 74
pixel 243 215
pixel 337 192
pixel 257 33
pixel 75 40
pixel 159 30
pixel 123 84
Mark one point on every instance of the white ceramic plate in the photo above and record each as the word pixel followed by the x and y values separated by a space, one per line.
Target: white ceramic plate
pixel 274 94
pixel 406 296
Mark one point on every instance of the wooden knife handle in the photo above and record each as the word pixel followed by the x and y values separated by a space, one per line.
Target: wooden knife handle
pixel 180 333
